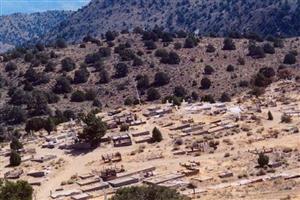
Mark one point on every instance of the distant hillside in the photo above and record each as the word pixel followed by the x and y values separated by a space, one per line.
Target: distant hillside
pixel 218 17
pixel 211 17
pixel 19 28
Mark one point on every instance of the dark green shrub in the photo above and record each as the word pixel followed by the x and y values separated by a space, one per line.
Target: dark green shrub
pixel 49 125
pixel 94 129
pixel 195 96
pixel 167 37
pixel 15 159
pixel 286 118
pixel 181 34
pixel 124 127
pixel 253 36
pixel 15 144
pixel 180 91
pixel 10 66
pixel 53 54
pixel 268 48
pixel 161 53
pixel 278 43
pixel 137 61
pixel 19 97
pixel 78 96
pixel 152 94
pixel 40 47
pixel 28 57
pixel 270 116
pixel 90 95
pixel 147 193
pixel 68 64
pixel 81 76
pixel 268 72
pixel 208 70
pixel 31 75
pixel 205 83
pixel 208 98
pixel 172 58
pixel 241 61
pixel 142 82
pixel 93 58
pixel 61 43
pixel 38 104
pixel 127 54
pixel 149 35
pixel 156 135
pixel 19 190
pixel 256 51
pixel 37 124
pixel 260 80
pixel 128 101
pixel 191 42
pixel 104 52
pixel 51 97
pixel 97 103
pixel 257 91
pixel 138 30
pixel 177 46
pixel 91 39
pixel 121 70
pixel 35 63
pixel 228 44
pixel 104 77
pixel 150 45
pixel 262 160
pixel 230 68
pixel 69 114
pixel 210 48
pixel 50 67
pixel 121 47
pixel 13 115
pixel 225 97
pixel 289 59
pixel 99 66
pixel 111 35
pixel 27 86
pixel 161 79
pixel 62 86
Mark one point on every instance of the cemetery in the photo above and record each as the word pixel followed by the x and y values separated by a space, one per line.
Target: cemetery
pixel 205 150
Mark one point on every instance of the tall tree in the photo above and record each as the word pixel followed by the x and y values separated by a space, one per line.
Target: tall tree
pixel 94 129
pixel 20 190
pixel 15 144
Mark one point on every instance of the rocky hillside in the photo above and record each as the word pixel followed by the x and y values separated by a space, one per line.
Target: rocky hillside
pixel 217 17
pixel 155 64
pixel 19 28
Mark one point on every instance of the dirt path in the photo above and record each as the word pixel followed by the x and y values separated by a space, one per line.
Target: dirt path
pixel 73 166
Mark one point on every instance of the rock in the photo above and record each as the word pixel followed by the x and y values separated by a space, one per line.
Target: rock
pixel 245 128
pixel 287 150
pixel 228 141
pixel 226 155
pixel 249 133
pixel 261 172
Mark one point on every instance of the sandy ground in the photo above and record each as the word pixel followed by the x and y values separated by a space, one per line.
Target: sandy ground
pixel 240 160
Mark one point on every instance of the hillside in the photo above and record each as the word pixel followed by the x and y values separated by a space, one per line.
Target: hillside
pixel 105 73
pixel 173 99
pixel 215 17
pixel 19 28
